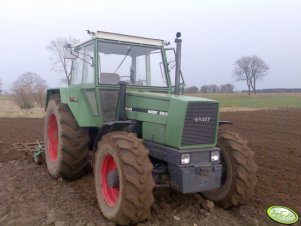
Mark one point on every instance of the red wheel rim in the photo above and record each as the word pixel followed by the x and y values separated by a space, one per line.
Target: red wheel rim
pixel 52 138
pixel 110 194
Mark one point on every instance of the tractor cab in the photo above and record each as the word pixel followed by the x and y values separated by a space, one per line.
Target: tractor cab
pixel 101 64
pixel 110 58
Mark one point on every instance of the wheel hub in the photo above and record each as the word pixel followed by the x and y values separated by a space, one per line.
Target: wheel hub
pixel 113 179
pixel 109 180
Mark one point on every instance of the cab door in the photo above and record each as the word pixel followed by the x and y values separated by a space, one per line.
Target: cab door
pixel 82 96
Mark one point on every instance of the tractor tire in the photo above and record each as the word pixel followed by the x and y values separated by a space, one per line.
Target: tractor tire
pixel 238 174
pixel 126 197
pixel 66 144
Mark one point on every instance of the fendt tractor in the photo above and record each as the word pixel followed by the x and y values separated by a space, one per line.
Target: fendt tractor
pixel 124 111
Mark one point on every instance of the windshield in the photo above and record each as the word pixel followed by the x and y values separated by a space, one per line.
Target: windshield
pixel 137 65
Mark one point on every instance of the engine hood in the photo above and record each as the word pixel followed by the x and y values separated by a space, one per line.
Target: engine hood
pixel 163 116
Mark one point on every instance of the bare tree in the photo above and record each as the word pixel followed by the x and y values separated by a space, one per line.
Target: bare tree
pixel 250 69
pixel 227 88
pixel 59 62
pixel 258 70
pixel 29 89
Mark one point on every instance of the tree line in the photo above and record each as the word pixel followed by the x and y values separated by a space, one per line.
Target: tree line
pixel 277 90
pixel 224 88
pixel 248 69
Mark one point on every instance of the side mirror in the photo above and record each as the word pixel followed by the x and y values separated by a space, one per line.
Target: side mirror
pixel 69 53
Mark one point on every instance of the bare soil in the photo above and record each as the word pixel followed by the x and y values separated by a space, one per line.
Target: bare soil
pixel 29 196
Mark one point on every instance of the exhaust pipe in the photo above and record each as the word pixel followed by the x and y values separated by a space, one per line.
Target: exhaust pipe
pixel 178 41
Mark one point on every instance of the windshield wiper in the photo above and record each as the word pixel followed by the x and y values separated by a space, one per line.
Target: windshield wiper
pixel 127 53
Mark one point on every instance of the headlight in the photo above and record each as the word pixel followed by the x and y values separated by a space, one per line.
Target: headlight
pixel 214 156
pixel 185 158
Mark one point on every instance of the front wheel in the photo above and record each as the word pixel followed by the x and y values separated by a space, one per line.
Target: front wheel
pixel 238 173
pixel 123 178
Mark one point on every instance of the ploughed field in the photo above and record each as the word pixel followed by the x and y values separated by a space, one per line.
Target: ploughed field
pixel 29 196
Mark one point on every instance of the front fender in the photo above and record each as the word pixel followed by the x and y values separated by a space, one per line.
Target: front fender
pixel 62 92
pixel 220 123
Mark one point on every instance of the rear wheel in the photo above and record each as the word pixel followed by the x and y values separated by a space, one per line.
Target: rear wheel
pixel 66 144
pixel 123 178
pixel 238 174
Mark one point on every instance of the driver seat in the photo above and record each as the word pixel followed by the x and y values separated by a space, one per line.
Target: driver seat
pixel 109 78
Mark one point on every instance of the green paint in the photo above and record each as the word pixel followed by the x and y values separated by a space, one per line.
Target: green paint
pixel 145 117
pixel 148 100
pixel 282 214
pixel 175 122
pixel 172 125
pixel 64 95
pixel 176 118
pixel 81 109
pixel 154 132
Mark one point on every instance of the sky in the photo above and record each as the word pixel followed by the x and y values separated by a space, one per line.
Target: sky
pixel 215 34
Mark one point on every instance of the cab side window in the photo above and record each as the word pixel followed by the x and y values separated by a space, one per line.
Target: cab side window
pixel 88 69
pixel 83 70
pixel 77 72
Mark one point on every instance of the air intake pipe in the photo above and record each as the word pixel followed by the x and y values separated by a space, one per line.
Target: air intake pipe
pixel 178 41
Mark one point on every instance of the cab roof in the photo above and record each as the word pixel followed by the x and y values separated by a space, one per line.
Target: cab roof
pixel 124 38
pixel 128 38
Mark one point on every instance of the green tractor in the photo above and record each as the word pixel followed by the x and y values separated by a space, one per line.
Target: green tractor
pixel 124 110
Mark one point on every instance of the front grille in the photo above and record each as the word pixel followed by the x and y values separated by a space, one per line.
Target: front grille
pixel 200 123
